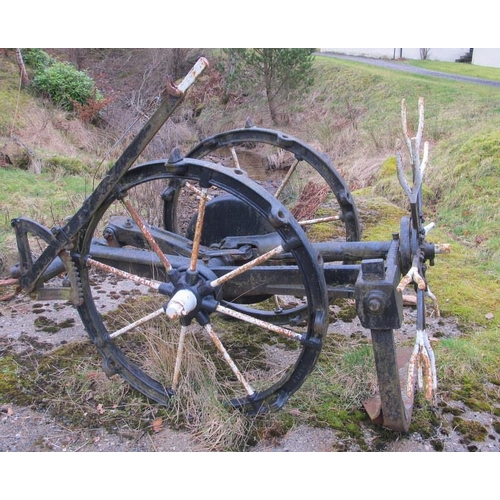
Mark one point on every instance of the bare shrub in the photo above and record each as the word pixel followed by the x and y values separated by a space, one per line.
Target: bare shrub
pixel 310 200
pixel 424 54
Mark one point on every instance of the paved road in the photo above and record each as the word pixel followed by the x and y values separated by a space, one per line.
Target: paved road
pixel 384 63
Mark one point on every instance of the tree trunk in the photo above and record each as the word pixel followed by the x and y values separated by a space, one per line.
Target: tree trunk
pixel 273 108
pixel 25 80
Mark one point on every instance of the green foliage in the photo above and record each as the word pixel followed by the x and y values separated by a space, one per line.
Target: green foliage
pixel 64 84
pixel 468 172
pixel 282 73
pixel 458 69
pixel 71 166
pixel 37 59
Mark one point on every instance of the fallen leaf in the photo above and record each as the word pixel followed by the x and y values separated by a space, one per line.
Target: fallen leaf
pixel 100 409
pixel 157 424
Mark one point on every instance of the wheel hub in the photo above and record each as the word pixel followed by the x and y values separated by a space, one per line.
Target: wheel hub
pixel 192 297
pixel 181 304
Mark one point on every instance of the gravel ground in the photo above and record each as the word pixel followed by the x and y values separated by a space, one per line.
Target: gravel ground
pixel 29 430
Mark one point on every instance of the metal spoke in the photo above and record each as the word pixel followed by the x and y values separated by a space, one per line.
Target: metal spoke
pixel 319 221
pixel 245 267
pixel 198 229
pixel 288 175
pixel 227 358
pixel 235 158
pixel 278 307
pixel 149 237
pixel 263 324
pixel 178 358
pixel 196 190
pixel 123 274
pixel 139 322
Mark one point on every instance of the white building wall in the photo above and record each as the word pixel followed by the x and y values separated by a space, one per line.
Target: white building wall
pixel 434 54
pixel 486 57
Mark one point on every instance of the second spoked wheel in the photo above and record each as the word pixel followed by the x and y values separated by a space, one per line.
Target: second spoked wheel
pixel 153 300
pixel 301 178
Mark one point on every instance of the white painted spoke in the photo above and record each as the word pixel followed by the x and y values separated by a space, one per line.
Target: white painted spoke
pixel 245 267
pixel 198 229
pixel 137 323
pixel 149 237
pixel 178 358
pixel 288 175
pixel 123 274
pixel 258 322
pixel 228 359
pixel 319 220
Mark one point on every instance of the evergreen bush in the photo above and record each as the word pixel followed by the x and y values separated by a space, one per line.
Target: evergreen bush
pixel 64 84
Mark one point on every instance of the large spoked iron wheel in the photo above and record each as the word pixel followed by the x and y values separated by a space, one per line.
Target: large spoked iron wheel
pixel 300 177
pixel 167 310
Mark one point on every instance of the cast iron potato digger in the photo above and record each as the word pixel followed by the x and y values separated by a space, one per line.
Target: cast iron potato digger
pixel 219 246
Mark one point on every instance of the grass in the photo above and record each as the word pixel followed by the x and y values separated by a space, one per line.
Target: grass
pixel 46 198
pixel 467 169
pixel 459 69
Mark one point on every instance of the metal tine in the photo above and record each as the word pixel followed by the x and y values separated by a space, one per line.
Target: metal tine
pixel 413 145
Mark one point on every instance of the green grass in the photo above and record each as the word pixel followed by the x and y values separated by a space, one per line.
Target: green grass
pixel 45 198
pixel 373 95
pixel 22 193
pixel 467 170
pixel 459 69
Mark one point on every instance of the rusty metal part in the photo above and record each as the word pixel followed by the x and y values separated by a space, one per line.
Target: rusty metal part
pixel 196 190
pixel 123 274
pixel 288 175
pixel 245 267
pixel 412 276
pixel 137 323
pixel 200 65
pixel 170 88
pixel 178 357
pixel 9 283
pixel 178 91
pixel 422 364
pixel 434 299
pixel 319 220
pixel 145 231
pixel 442 248
pixel 263 324
pixel 198 229
pixel 391 407
pixel 235 158
pixel 228 360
